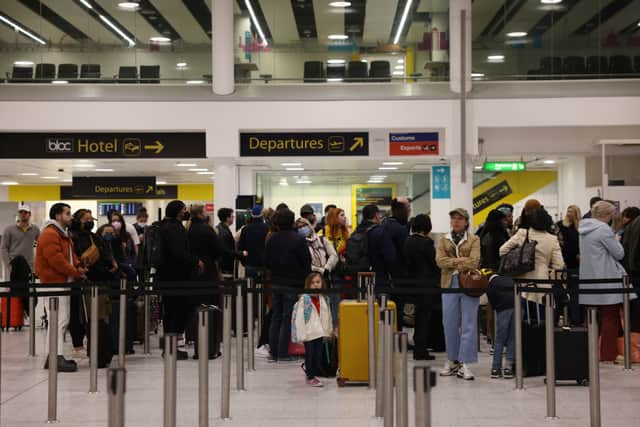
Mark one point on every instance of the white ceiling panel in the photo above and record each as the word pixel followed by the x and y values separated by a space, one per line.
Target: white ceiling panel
pixel 579 14
pixel 281 21
pixel 132 21
pixel 621 19
pixel 379 20
pixel 327 21
pixel 78 17
pixel 416 32
pixel 181 19
pixel 27 17
pixel 483 13
pixel 524 19
pixel 434 6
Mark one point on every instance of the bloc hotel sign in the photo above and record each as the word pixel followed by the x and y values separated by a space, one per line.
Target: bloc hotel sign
pixel 261 144
pixel 150 145
pixel 414 144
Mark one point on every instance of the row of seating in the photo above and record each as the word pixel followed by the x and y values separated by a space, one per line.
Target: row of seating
pixel 353 71
pixel 89 73
pixel 576 67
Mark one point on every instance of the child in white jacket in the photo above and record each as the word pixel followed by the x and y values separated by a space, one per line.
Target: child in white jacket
pixel 311 323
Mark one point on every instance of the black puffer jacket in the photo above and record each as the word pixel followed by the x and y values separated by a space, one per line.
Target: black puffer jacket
pixel 179 262
pixel 205 244
pixel 420 257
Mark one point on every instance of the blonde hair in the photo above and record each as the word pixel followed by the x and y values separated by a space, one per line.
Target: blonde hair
pixel 576 222
pixel 602 209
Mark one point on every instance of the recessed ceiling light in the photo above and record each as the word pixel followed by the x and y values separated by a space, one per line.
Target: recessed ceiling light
pixel 477 167
pixel 284 183
pixel 398 73
pixel 517 34
pixel 198 170
pixel 60 82
pixel 392 163
pixel 375 181
pixel 550 1
pixel 85 165
pixel 161 182
pixel 9 183
pixel 400 61
pixel 67 180
pixel 304 181
pixel 29 174
pixel 186 165
pixel 181 65
pixel 549 162
pixel 160 39
pixel 104 170
pixel 478 75
pixel 338 36
pixel 399 67
pixel 23 63
pixel 294 169
pixel 377 176
pixel 50 177
pixel 340 4
pixel 334 79
pixel 335 61
pixel 129 5
pixel 290 164
pixel 195 82
pixel 115 28
pixel 495 58
pixel 387 168
pixel 206 173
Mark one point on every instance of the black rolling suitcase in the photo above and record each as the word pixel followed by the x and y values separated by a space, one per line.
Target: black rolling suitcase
pixel 571 354
pixel 105 344
pixel 533 344
pixel 215 333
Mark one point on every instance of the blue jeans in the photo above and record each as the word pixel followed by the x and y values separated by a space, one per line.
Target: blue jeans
pixel 505 336
pixel 313 357
pixel 280 330
pixel 460 319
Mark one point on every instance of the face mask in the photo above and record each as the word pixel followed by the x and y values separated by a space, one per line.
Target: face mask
pixel 304 231
pixel 117 225
pixel 142 224
pixel 89 225
pixel 107 236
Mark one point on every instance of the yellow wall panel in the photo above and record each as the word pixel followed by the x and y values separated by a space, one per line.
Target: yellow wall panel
pixel 202 192
pixel 34 193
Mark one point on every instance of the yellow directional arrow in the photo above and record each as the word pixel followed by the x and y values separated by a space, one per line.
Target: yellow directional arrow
pixel 157 146
pixel 358 142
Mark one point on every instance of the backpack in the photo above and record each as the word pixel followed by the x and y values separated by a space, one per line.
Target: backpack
pixel 153 245
pixel 357 253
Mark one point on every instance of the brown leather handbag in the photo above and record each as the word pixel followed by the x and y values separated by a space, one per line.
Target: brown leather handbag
pixel 91 255
pixel 473 282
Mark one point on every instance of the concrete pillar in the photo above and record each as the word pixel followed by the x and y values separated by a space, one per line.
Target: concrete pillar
pixel 455 6
pixel 226 186
pixel 572 184
pixel 222 47
pixel 246 180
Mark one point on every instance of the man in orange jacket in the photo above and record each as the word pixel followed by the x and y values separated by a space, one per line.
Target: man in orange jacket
pixel 56 262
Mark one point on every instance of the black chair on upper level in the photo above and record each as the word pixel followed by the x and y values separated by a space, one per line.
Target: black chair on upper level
pixel 67 72
pixel 45 73
pixel 550 65
pixel 380 71
pixel 128 74
pixel 620 64
pixel 314 72
pixel 21 74
pixel 574 67
pixel 90 73
pixel 336 71
pixel 357 71
pixel 597 65
pixel 636 63
pixel 149 74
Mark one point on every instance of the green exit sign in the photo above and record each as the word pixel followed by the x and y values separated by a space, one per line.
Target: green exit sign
pixel 504 166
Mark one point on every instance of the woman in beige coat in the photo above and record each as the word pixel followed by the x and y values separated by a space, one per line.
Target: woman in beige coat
pixel 548 252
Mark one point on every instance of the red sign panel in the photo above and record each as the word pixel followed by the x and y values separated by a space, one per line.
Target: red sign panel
pixel 414 144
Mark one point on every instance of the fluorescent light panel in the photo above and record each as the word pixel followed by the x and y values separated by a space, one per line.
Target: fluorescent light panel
pixel 392 163
pixel 198 170
pixel 117 30
pixel 104 170
pixel 294 169
pixel 403 21
pixel 387 168
pixel 290 164
pixel 23 30
pixel 186 165
pixel 255 22
pixel 338 36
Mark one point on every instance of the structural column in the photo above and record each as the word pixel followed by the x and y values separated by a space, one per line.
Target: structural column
pixel 226 186
pixel 572 184
pixel 222 46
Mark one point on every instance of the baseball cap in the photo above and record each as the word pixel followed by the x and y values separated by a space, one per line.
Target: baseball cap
pixel 256 211
pixel 25 208
pixel 461 212
pixel 306 209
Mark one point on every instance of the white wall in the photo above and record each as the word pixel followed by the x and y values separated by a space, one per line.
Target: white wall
pixel 627 196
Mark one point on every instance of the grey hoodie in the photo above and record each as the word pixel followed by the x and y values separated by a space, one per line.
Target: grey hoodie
pixel 600 256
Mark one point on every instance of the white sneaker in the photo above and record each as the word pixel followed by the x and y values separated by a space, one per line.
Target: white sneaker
pixel 450 368
pixel 465 373
pixel 263 351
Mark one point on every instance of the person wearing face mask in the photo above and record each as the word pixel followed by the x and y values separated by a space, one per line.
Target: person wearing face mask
pixel 180 264
pixel 130 229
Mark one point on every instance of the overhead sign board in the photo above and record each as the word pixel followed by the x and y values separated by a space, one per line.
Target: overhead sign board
pixel 122 187
pixel 414 144
pixel 504 166
pixel 162 192
pixel 441 182
pixel 291 144
pixel 122 145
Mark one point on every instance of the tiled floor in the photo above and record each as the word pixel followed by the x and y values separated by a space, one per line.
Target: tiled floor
pixel 277 396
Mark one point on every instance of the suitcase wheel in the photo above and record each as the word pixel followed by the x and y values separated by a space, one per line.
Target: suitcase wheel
pixel 341 381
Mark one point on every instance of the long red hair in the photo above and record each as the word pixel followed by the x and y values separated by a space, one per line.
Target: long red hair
pixel 335 227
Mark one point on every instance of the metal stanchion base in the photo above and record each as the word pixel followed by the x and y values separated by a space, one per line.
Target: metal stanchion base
pixel 93 393
pixel 53 421
pixel 551 418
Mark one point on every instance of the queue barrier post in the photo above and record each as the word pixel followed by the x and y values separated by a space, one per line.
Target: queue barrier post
pixel 401 340
pixel 239 339
pixel 251 348
pixel 122 330
pixel 226 358
pixel 52 407
pixel 517 314
pixel 371 344
pixel 627 323
pixel 116 387
pixel 32 325
pixel 594 367
pixel 388 368
pixel 380 369
pixel 0 366
pixel 204 314
pixel 260 304
pixel 146 349
pixel 170 378
pixel 424 379
pixel 93 342
pixel 550 357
